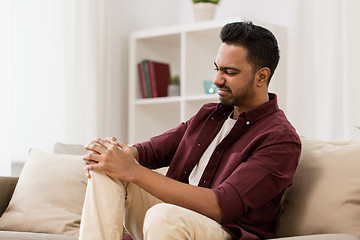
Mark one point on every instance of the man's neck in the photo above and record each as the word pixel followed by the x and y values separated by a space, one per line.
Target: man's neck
pixel 255 103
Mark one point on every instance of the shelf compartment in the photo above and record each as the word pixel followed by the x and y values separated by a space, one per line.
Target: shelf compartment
pixel 164 49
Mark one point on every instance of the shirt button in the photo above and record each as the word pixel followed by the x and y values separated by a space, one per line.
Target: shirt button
pixel 212 118
pixel 247 123
pixel 204 181
pixel 185 172
pixel 198 144
pixel 217 152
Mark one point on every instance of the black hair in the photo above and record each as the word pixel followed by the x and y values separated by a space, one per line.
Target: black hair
pixel 260 43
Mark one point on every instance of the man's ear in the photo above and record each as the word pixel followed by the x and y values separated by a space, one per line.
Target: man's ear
pixel 262 76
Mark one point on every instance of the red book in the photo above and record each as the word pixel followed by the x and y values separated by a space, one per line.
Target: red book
pixel 159 74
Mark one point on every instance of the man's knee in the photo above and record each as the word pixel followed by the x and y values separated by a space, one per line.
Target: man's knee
pixel 159 215
pixel 163 220
pixel 168 221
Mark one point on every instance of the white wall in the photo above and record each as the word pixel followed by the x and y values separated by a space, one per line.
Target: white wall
pixel 274 11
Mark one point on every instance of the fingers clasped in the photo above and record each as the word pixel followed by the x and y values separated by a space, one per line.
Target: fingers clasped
pixel 108 156
pixel 97 148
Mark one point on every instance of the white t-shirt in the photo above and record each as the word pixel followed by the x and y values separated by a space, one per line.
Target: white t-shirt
pixel 198 170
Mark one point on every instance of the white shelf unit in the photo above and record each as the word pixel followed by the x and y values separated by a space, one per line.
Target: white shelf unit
pixel 191 50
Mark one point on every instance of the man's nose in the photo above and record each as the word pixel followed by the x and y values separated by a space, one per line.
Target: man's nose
pixel 218 79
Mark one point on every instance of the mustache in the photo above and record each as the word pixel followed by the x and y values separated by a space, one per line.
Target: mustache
pixel 224 87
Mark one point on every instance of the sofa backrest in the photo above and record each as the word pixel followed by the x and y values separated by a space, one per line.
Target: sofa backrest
pixel 7 187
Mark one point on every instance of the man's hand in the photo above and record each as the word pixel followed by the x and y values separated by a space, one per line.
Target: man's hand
pixel 113 158
pixel 89 162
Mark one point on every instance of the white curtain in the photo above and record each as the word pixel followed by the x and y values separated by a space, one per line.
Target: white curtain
pixel 323 82
pixel 5 75
pixel 55 74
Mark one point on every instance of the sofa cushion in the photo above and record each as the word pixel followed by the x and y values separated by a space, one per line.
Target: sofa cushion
pixel 49 195
pixel 325 195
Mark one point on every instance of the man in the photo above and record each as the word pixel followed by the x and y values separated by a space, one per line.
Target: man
pixel 229 165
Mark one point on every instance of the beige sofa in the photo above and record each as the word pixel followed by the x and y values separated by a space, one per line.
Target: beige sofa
pixel 322 204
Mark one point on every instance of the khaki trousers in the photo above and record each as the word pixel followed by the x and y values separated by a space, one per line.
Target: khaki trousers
pixel 109 202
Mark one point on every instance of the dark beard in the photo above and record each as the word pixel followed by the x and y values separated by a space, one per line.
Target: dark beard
pixel 247 93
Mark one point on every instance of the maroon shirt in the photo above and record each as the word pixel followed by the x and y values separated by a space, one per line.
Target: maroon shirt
pixel 249 169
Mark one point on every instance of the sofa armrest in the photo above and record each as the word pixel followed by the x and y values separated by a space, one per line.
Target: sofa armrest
pixel 7 187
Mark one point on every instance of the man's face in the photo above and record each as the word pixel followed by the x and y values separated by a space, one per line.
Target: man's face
pixel 234 77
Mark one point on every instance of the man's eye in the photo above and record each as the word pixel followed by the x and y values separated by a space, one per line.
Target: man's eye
pixel 230 73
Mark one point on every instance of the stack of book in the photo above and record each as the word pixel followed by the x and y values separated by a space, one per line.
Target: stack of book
pixel 154 78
